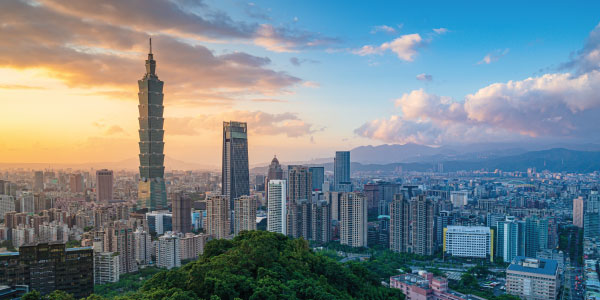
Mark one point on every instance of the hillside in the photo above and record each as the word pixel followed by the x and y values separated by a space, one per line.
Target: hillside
pixel 264 265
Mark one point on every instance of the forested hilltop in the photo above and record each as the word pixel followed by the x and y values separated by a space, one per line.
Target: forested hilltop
pixel 263 265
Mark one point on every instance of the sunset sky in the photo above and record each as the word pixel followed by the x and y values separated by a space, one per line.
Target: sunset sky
pixel 309 77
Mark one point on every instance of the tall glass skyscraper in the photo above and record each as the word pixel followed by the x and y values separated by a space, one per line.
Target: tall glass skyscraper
pixel 341 172
pixel 235 175
pixel 151 189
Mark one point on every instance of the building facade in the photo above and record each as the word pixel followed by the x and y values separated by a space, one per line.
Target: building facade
pixel 532 279
pixel 469 241
pixel 353 223
pixel 277 206
pixel 235 174
pixel 168 253
pixel 182 213
pixel 104 185
pixel 341 172
pixel 244 214
pixel 218 216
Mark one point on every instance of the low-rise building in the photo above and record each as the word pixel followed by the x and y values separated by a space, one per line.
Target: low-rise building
pixel 469 241
pixel 532 278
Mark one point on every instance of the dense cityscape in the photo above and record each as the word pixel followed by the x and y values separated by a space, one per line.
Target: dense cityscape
pixel 492 197
pixel 469 234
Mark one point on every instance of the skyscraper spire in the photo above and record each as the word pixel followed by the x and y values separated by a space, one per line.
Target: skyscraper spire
pixel 150 63
pixel 150 46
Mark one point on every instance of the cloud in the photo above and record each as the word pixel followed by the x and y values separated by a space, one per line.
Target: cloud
pixel 20 87
pixel 299 61
pixel 114 130
pixel 384 28
pixel 425 77
pixel 85 52
pixel 268 100
pixel 587 58
pixel 405 47
pixel 493 56
pixel 262 123
pixel 311 84
pixel 440 30
pixel 552 106
pixel 286 40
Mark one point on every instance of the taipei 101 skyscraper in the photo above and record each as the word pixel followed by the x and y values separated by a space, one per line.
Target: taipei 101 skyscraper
pixel 152 192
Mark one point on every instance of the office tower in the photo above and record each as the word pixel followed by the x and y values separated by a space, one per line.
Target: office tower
pixel 27 201
pixel 192 245
pixel 353 223
pixel 118 237
pixel 299 191
pixel 38 181
pixel 48 267
pixel 235 175
pixel 245 214
pixel 159 222
pixel 459 198
pixel 318 177
pixel 532 236
pixel 168 252
pixel 341 172
pixel 591 225
pixel 379 196
pixel 321 222
pixel 277 206
pixel 143 246
pixel 578 210
pixel 275 173
pixel 422 234
pixel 217 213
pixel 469 241
pixel 76 183
pixel 104 185
pixel 399 224
pixel 552 233
pixel 534 279
pixel 593 202
pixel 106 267
pixel 7 204
pixel 442 220
pixel 510 239
pixel 182 213
pixel 152 192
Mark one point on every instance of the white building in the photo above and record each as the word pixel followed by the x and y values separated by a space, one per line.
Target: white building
pixel 168 255
pixel 277 207
pixel 353 223
pixel 532 279
pixel 468 241
pixel 459 198
pixel 106 267
pixel 143 246
pixel 7 204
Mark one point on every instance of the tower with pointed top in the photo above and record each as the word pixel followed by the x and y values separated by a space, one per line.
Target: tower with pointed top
pixel 152 192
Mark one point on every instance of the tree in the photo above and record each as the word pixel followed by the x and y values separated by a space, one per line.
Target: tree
pixel 33 295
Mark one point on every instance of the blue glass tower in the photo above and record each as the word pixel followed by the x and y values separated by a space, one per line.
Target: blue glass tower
pixel 151 190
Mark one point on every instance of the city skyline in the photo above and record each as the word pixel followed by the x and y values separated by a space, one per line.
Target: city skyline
pixel 388 78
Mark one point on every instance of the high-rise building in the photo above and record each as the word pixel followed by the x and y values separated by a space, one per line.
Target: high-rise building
pixel 143 246
pixel 218 217
pixel 422 231
pixel 578 210
pixel 533 279
pixel 106 267
pixel 38 181
pixel 46 267
pixel 399 224
pixel 104 185
pixel 152 191
pixel 159 222
pixel 235 174
pixel 333 198
pixel 321 222
pixel 318 177
pixel 353 223
pixel 591 225
pixel 192 245
pixel 299 193
pixel 469 241
pixel 341 172
pixel 442 220
pixel 76 183
pixel 510 240
pixel 245 214
pixel 168 252
pixel 459 198
pixel 277 206
pixel 7 204
pixel 182 213
pixel 119 237
pixel 275 173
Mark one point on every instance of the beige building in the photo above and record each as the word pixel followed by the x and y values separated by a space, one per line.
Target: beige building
pixel 191 245
pixel 578 211
pixel 532 279
pixel 244 214
pixel 217 215
pixel 353 223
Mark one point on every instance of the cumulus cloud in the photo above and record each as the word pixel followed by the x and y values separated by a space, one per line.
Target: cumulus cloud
pixel 587 58
pixel 405 47
pixel 424 77
pixel 552 106
pixel 440 30
pixel 286 40
pixel 288 124
pixel 493 56
pixel 102 45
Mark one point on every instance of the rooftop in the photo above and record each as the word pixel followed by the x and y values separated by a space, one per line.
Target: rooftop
pixel 534 265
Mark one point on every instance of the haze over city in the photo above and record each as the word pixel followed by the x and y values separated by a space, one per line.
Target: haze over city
pixel 309 78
